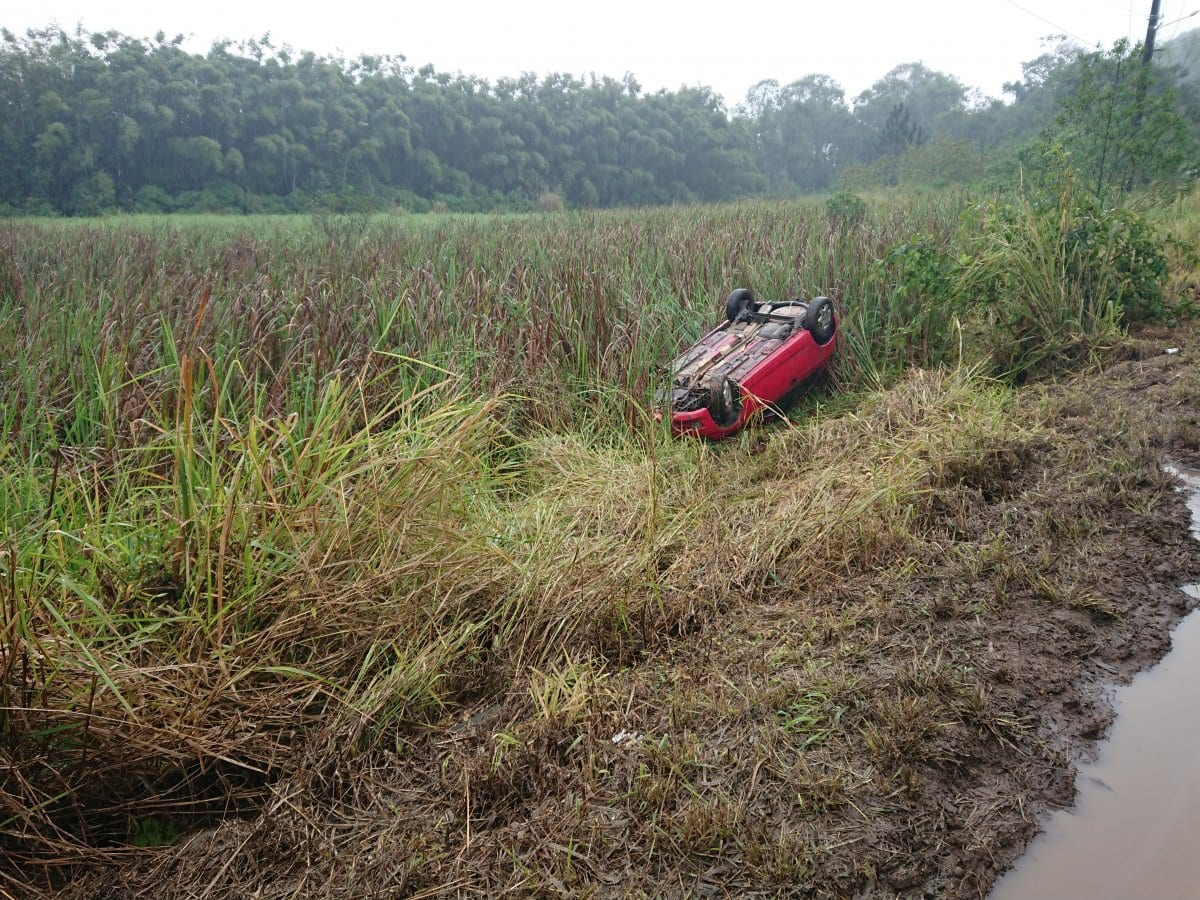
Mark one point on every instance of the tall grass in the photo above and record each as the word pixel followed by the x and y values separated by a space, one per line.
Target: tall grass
pixel 270 498
pixel 1060 280
pixel 526 303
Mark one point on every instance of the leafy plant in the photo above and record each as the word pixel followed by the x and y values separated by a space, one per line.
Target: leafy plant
pixel 917 306
pixel 1116 254
pixel 1058 279
pixel 1117 131
pixel 845 209
pixel 811 717
pixel 153 832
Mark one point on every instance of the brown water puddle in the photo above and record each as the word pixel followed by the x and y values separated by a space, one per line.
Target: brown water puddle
pixel 1135 828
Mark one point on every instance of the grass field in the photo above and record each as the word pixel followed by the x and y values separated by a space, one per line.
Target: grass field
pixel 281 495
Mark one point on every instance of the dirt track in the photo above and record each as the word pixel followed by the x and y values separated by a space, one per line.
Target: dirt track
pixel 896 730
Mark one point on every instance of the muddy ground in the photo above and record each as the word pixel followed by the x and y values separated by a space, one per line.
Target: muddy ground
pixel 898 729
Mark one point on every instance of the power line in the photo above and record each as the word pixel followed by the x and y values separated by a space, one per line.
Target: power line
pixel 1042 18
pixel 1181 19
pixel 1192 45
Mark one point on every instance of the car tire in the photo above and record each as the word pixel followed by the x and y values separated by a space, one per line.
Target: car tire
pixel 819 320
pixel 725 404
pixel 739 301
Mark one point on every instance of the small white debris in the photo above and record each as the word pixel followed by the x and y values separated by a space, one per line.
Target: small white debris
pixel 623 737
pixel 1171 351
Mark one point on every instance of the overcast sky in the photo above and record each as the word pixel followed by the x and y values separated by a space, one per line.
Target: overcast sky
pixel 726 45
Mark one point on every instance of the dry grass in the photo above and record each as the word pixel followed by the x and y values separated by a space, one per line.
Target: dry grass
pixel 265 565
pixel 359 587
pixel 590 664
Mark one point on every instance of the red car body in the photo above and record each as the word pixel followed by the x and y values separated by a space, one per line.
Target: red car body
pixel 762 357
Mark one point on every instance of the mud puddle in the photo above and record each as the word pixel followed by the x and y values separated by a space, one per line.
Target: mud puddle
pixel 1134 830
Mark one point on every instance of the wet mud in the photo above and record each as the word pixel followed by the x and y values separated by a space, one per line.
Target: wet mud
pixel 1133 829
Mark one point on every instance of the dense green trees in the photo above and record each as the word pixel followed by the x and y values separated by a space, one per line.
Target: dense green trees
pixel 102 121
pixel 1117 132
pixel 804 132
pixel 90 123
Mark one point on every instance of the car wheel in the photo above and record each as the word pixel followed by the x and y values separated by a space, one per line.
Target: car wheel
pixel 739 301
pixel 724 401
pixel 819 320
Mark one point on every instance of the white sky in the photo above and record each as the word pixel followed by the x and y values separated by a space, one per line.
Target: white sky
pixel 726 45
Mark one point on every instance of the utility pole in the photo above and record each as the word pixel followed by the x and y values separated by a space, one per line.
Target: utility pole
pixel 1151 33
pixel 1143 78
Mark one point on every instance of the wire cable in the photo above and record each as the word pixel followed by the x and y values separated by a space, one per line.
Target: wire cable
pixel 1042 18
pixel 1181 19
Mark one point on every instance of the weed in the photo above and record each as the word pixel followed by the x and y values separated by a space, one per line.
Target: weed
pixel 845 209
pixel 1059 279
pixel 280 502
pixel 153 832
pixel 810 717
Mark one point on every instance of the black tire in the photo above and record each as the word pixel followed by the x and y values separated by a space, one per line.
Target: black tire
pixel 819 320
pixel 739 301
pixel 725 402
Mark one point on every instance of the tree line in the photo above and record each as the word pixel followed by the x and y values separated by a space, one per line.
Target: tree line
pixel 91 123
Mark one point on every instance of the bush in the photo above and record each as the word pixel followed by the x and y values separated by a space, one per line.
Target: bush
pixel 845 209
pixel 94 195
pixel 548 201
pixel 583 193
pixel 151 198
pixel 38 206
pixel 1058 279
pixel 267 204
pixel 405 201
pixel 940 163
pixel 1117 254
pixel 916 313
pixel 863 177
pixel 209 200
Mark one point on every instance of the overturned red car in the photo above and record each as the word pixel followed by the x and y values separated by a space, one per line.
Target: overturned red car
pixel 763 356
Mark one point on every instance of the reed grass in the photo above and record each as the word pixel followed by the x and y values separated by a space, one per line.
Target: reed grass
pixel 528 304
pixel 268 500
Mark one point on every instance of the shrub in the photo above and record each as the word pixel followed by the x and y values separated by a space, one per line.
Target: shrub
pixel 845 209
pixel 1058 279
pixel 548 201
pixel 151 198
pixel 940 163
pixel 38 206
pixel 584 193
pixel 915 313
pixel 205 201
pixel 1117 253
pixel 94 195
pixel 405 201
pixel 863 177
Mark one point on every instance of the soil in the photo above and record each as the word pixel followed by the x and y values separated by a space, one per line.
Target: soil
pixel 897 730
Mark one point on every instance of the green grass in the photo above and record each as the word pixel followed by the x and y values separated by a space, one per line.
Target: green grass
pixel 262 490
pixel 595 303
